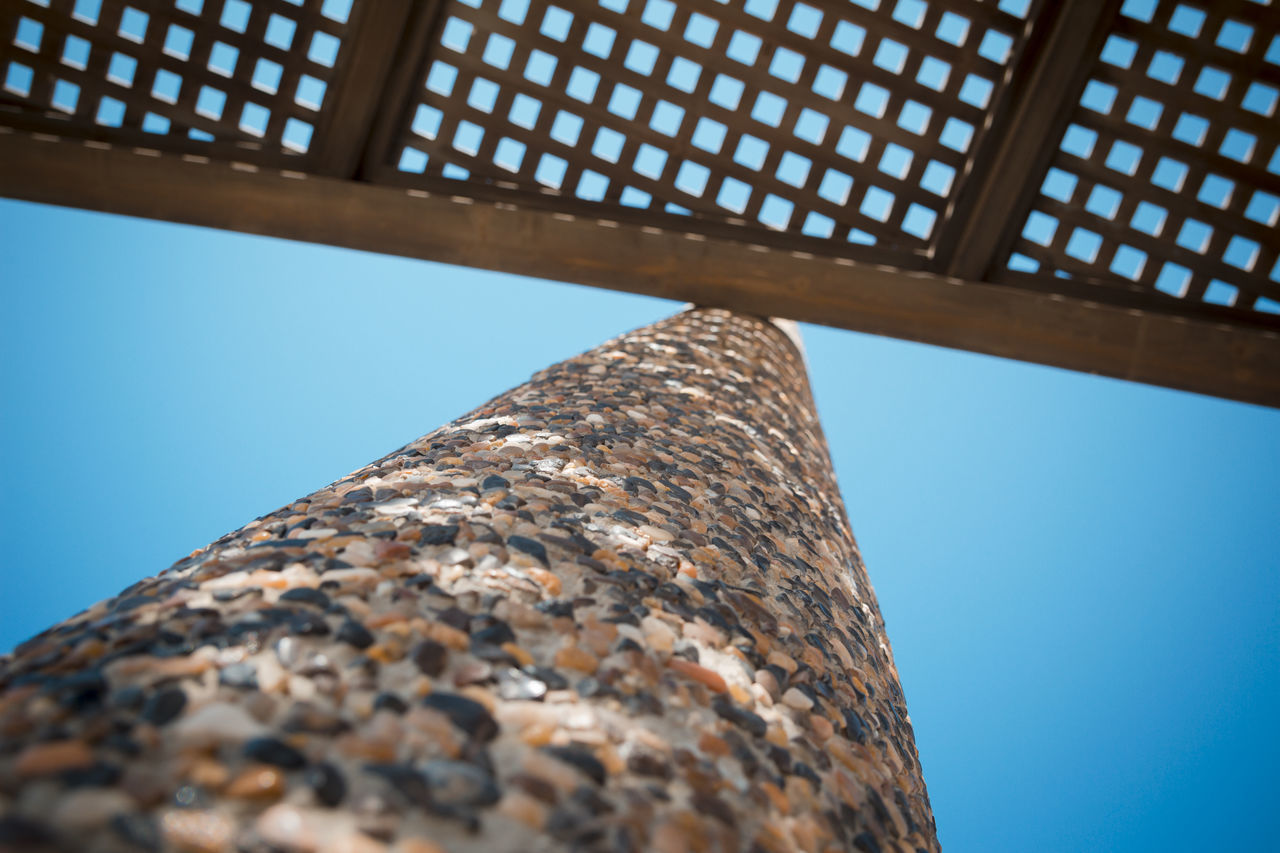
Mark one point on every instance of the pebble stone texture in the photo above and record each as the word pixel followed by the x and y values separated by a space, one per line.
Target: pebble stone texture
pixel 618 608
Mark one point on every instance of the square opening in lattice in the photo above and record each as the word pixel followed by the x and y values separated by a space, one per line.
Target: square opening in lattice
pixel 877 204
pixel 551 171
pixel 734 195
pixel 498 51
pixel 524 111
pixel 1040 228
pixel 726 92
pixel 919 220
pixel 1173 279
pixel 804 20
pixel 751 152
pixel 853 143
pixel 848 38
pixel 178 41
pixel 775 212
pixel 267 76
pixel 1059 185
pixel 650 161
pixel 709 135
pixel 793 169
pixel 830 82
pixel 608 144
pixel 692 178
pixel 811 126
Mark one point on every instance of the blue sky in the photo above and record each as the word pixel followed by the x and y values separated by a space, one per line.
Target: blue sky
pixel 1080 576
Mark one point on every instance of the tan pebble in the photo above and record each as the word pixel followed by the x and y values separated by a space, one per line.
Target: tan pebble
pixel 538 734
pixel 713 745
pixel 793 698
pixel 519 615
pixel 152 669
pixel 559 774
pixel 698 673
pixel 521 807
pixel 257 781
pixel 800 793
pixel 741 695
pixel 769 682
pixel 776 735
pixel 546 579
pixel 784 660
pixel 449 636
pixel 286 827
pixel 352 842
pixel 776 796
pixel 772 838
pixel 806 832
pixel 521 656
pixel 41 759
pixel 197 830
pixel 261 705
pixel 301 688
pixel 481 695
pixel 612 761
pixel 598 636
pixel 87 809
pixel 355 746
pixel 383 620
pixel 821 726
pixel 270 674
pixel 667 837
pixel 573 657
pixel 268 580
pixel 216 724
pixel 16 697
pixel 658 634
pixel 657 534
pixel 386 551
pixel 700 631
pixel 416 845
pixel 208 774
pixel 761 695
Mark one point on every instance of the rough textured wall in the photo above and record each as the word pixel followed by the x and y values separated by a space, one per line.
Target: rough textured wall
pixel 617 608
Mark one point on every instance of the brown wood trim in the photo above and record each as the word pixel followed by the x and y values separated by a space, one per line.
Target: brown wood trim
pixel 1235 361
pixel 991 202
pixel 349 122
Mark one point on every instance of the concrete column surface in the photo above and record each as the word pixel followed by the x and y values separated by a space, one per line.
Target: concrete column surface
pixel 618 608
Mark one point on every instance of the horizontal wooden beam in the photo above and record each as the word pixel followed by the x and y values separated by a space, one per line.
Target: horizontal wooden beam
pixel 1238 361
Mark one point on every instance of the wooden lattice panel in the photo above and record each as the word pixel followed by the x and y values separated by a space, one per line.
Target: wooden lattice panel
pixel 1168 175
pixel 194 73
pixel 847 121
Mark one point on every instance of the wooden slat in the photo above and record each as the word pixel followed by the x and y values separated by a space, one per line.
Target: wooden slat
pixel 347 125
pixel 989 207
pixel 1239 360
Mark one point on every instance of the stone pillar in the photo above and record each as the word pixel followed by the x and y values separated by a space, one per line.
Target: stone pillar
pixel 617 608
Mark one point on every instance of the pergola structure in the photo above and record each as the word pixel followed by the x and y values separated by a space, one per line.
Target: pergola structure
pixel 618 607
pixel 1093 185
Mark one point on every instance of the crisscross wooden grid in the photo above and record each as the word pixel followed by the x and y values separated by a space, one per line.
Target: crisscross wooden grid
pixel 198 75
pixel 842 121
pixel 1168 175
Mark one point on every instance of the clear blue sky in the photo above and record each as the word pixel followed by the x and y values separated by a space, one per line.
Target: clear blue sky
pixel 1081 577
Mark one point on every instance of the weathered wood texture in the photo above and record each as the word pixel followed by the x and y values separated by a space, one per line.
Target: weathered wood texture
pixel 617 608
pixel 1092 159
pixel 1136 341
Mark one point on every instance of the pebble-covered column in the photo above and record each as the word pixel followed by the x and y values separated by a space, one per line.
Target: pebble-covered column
pixel 618 608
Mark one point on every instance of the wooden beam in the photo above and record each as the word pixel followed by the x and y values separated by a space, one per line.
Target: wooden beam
pixel 408 69
pixel 986 214
pixel 380 31
pixel 1240 361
